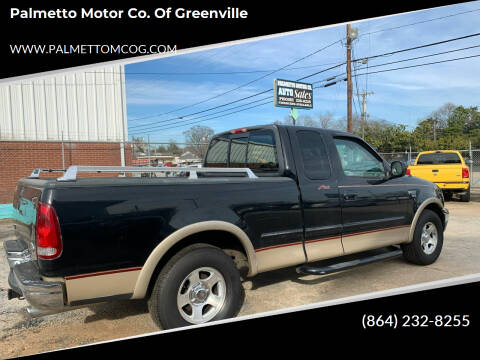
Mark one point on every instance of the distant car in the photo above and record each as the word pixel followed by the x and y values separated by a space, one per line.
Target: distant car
pixel 447 169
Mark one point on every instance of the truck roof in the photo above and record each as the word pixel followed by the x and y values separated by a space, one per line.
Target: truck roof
pixel 332 132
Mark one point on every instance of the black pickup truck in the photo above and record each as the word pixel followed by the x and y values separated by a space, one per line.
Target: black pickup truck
pixel 267 197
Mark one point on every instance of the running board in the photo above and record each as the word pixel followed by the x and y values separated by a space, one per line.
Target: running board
pixel 324 270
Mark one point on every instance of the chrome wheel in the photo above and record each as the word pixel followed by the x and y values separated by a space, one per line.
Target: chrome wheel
pixel 429 238
pixel 201 295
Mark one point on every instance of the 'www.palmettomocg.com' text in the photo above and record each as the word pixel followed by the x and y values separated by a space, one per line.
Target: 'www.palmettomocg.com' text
pixel 90 49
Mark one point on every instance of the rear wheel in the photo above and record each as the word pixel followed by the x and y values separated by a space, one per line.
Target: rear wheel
pixel 427 240
pixel 448 195
pixel 199 284
pixel 465 197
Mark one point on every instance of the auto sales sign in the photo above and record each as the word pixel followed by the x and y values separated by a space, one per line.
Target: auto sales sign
pixel 292 94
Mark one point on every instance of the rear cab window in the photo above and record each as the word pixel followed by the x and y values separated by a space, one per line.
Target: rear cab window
pixel 316 163
pixel 438 158
pixel 255 149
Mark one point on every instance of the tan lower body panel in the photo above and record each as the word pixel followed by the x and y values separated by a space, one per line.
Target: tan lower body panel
pixel 323 248
pixel 101 284
pixel 276 257
pixel 374 239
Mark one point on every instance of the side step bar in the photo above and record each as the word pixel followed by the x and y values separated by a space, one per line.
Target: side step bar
pixel 328 269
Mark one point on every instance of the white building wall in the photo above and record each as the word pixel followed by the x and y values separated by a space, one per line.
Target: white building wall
pixel 82 106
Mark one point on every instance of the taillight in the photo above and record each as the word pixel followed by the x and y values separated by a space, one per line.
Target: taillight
pixel 49 240
pixel 465 173
pixel 408 172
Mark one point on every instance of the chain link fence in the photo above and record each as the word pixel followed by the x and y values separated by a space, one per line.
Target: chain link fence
pixel 19 158
pixel 474 155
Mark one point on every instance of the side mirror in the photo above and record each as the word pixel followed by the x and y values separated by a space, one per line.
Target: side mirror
pixel 397 169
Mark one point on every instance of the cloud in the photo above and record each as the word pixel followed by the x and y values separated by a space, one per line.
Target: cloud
pixel 164 92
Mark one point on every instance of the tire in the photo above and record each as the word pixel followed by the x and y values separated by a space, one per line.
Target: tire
pixel 448 195
pixel 465 197
pixel 198 284
pixel 427 253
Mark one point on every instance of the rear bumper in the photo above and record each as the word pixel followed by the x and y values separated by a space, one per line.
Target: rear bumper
pixel 44 297
pixel 455 186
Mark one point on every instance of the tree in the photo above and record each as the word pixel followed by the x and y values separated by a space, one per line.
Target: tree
pixel 197 139
pixel 439 118
pixel 453 126
pixel 161 149
pixel 326 120
pixel 173 148
pixel 341 124
pixel 139 145
pixel 321 120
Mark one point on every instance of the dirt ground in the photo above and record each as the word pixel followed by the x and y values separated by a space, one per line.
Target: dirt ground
pixel 280 289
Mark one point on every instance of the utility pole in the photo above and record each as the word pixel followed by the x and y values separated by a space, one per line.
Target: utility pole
pixel 349 81
pixel 149 159
pixel 352 34
pixel 364 95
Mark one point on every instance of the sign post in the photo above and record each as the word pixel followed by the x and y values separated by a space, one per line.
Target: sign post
pixel 294 114
pixel 292 94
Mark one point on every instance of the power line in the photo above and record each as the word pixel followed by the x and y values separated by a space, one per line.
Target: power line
pixel 419 65
pixel 202 116
pixel 421 57
pixel 421 46
pixel 149 127
pixel 419 22
pixel 229 103
pixel 316 73
pixel 203 111
pixel 175 126
pixel 302 78
pixel 215 73
pixel 356 86
pixel 404 60
pixel 400 68
pixel 243 85
pixel 215 117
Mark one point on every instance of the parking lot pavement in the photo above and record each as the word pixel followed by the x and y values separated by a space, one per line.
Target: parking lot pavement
pixel 269 291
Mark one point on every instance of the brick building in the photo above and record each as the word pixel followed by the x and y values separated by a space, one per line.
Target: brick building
pixel 63 119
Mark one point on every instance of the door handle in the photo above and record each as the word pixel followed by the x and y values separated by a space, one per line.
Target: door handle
pixel 349 196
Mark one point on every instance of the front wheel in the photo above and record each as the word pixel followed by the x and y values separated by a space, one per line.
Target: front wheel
pixel 427 240
pixel 199 284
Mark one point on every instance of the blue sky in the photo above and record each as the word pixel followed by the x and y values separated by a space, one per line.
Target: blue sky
pixel 401 97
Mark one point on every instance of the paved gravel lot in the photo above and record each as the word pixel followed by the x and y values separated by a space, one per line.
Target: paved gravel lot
pixel 20 335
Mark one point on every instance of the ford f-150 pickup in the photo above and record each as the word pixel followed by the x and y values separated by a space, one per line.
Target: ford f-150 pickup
pixel 267 197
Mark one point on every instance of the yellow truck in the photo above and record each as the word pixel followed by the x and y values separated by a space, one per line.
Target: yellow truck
pixel 447 169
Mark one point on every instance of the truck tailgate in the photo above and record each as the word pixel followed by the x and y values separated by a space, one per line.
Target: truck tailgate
pixel 438 173
pixel 25 200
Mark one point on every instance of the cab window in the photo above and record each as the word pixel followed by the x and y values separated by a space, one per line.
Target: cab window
pixel 316 164
pixel 357 160
pixel 261 153
pixel 238 152
pixel 217 153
